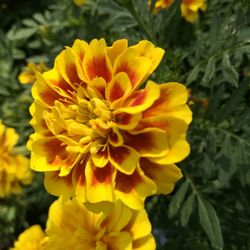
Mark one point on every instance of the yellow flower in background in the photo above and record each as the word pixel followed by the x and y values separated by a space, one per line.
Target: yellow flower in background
pixel 79 2
pixel 189 8
pixel 31 239
pixel 98 136
pixel 72 226
pixel 14 168
pixel 29 74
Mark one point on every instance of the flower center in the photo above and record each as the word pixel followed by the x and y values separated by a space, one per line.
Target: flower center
pixel 96 114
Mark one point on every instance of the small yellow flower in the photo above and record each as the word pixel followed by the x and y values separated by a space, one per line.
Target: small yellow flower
pixel 29 74
pixel 189 8
pixel 101 138
pixel 31 239
pixel 79 2
pixel 71 226
pixel 14 168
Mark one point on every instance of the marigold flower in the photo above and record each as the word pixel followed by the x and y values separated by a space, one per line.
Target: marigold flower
pixel 189 8
pixel 14 168
pixel 32 238
pixel 71 225
pixel 28 75
pixel 97 135
pixel 79 2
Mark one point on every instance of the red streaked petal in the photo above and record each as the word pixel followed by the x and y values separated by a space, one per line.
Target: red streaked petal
pixel 133 189
pixel 78 179
pixel 57 82
pixel 135 66
pixel 100 159
pixel 124 159
pixel 164 176
pixel 58 186
pixel 126 121
pixel 96 88
pixel 70 68
pixel 96 62
pixel 99 183
pixel 116 49
pixel 141 99
pixel 151 142
pixel 148 50
pixel 119 88
pixel 115 137
pixel 43 93
pixel 49 154
pixel 173 97
pixel 80 47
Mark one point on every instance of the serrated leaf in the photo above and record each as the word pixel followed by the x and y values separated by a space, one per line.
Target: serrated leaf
pixel 209 71
pixel 193 74
pixel 229 72
pixel 187 209
pixel 233 101
pixel 210 223
pixel 178 198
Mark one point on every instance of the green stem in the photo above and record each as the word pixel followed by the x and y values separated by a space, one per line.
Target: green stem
pixel 134 13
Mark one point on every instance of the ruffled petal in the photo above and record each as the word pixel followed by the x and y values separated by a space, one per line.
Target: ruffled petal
pixel 99 183
pixel 172 101
pixel 124 159
pixel 141 99
pixel 164 176
pixel 118 89
pixel 150 142
pixel 96 62
pixel 57 185
pixel 116 49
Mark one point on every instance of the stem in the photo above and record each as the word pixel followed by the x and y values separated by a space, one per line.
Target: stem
pixel 134 13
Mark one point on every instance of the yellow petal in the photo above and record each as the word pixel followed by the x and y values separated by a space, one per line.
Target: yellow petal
pixel 124 159
pixel 99 183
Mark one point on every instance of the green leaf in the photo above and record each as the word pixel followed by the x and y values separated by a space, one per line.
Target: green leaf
pixel 187 209
pixel 209 72
pixel 178 198
pixel 22 33
pixel 30 23
pixel 233 101
pixel 193 74
pixel 210 223
pixel 229 72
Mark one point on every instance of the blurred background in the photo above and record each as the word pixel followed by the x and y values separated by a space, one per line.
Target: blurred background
pixel 210 206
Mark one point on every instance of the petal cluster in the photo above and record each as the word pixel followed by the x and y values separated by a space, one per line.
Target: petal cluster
pixel 28 75
pixel 32 238
pixel 98 135
pixel 14 168
pixel 72 226
pixel 189 8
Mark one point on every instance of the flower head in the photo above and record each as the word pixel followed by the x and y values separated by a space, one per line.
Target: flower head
pixel 79 2
pixel 29 74
pixel 97 135
pixel 31 239
pixel 189 8
pixel 14 168
pixel 72 226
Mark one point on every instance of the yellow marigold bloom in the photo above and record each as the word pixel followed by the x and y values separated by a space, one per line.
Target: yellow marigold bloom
pixel 14 168
pixel 97 135
pixel 189 8
pixel 72 226
pixel 79 2
pixel 29 74
pixel 31 239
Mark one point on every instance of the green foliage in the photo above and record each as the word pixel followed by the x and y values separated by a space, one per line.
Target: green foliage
pixel 209 208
